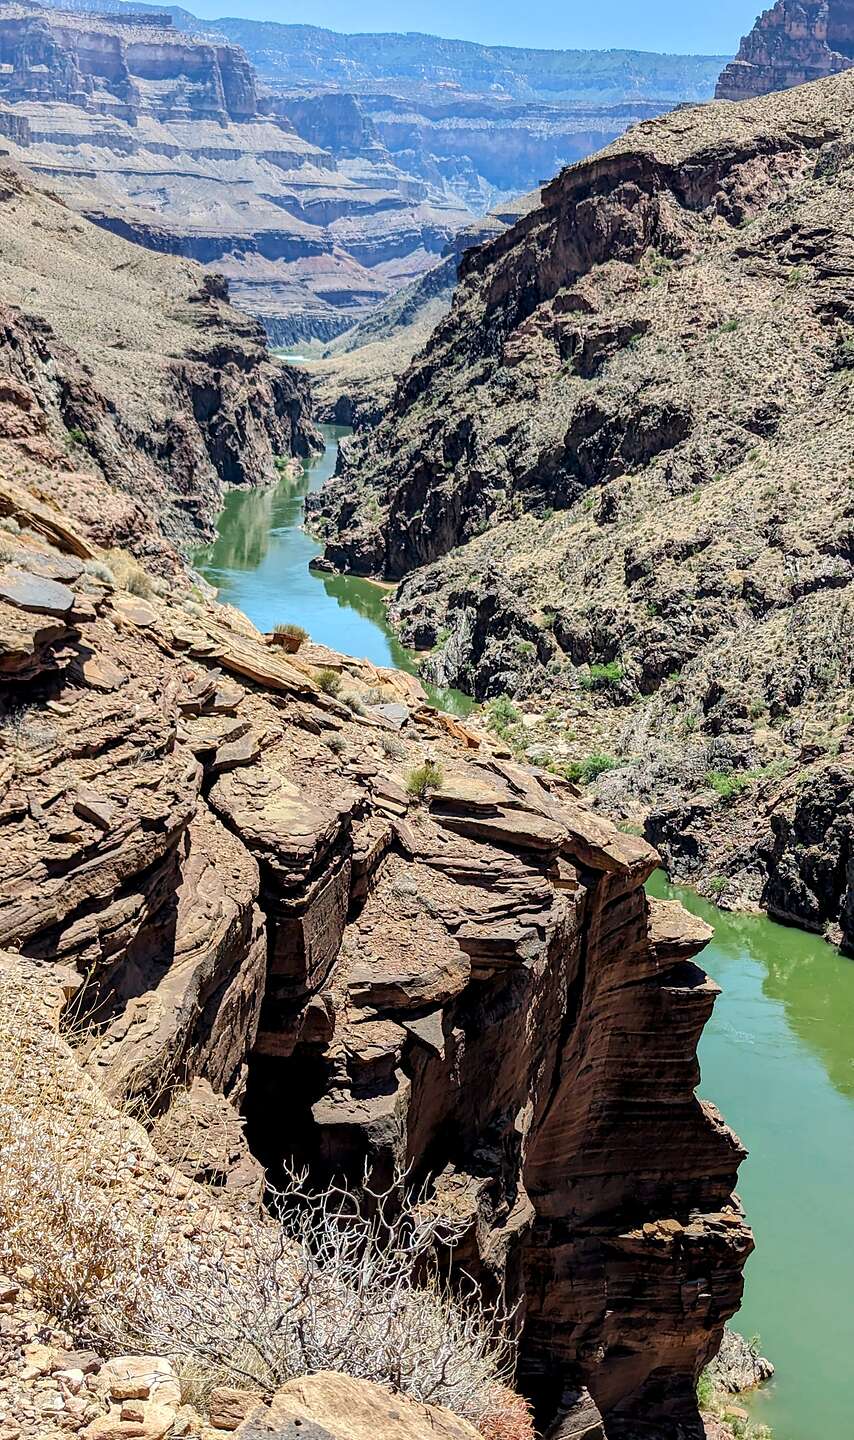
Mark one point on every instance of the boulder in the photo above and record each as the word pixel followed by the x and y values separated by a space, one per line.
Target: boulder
pixel 328 1406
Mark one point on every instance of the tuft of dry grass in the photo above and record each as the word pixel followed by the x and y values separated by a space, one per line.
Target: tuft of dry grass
pixel 129 575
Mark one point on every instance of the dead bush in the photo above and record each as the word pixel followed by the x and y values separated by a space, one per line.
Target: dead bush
pixel 317 1282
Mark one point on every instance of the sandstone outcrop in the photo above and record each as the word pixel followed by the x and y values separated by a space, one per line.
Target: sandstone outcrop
pixel 229 868
pixel 654 339
pixel 792 43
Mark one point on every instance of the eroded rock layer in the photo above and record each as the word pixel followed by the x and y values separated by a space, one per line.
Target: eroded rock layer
pixel 260 911
pixel 794 42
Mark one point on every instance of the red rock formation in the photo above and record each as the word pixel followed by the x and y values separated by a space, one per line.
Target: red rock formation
pixel 796 41
pixel 475 987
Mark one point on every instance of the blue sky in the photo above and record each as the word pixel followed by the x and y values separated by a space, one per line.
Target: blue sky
pixel 674 25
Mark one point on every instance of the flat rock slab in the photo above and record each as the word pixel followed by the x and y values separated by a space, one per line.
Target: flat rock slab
pixel 34 592
pixel 325 1405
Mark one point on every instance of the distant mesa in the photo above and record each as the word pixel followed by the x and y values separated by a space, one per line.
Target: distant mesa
pixel 795 42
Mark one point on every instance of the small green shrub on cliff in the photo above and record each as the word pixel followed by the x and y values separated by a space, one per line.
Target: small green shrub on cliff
pixel 76 436
pixel 586 771
pixel 501 713
pixel 329 681
pixel 424 780
pixel 602 677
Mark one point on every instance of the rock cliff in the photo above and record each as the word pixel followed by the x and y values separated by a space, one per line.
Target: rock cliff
pixel 272 891
pixel 132 386
pixel 670 333
pixel 792 43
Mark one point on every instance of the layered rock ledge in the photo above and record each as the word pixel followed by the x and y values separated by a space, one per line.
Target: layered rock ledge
pixel 233 869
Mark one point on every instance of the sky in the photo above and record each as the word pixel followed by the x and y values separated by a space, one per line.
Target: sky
pixel 683 26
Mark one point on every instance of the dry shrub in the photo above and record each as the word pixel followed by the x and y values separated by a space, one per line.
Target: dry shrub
pixel 247 1298
pixel 507 1417
pixel 323 1286
pixel 129 575
pixel 61 1210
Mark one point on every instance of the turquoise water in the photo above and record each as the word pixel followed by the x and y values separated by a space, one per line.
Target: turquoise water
pixel 778 1059
pixel 260 563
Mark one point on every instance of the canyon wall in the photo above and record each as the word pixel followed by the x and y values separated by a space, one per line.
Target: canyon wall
pixel 279 944
pixel 653 340
pixel 794 42
pixel 134 388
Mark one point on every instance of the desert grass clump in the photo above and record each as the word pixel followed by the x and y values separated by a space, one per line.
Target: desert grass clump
pixel 99 570
pixel 290 637
pixel 24 729
pixel 392 747
pixel 337 744
pixel 424 780
pixel 7 552
pixel 129 575
pixel 329 681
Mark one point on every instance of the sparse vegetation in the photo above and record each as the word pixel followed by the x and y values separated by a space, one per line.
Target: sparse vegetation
pixel 501 715
pixel 588 770
pixel 6 552
pixel 729 784
pixel 354 702
pixel 329 681
pixel 290 637
pixel 75 436
pixel 602 677
pixel 26 730
pixel 337 744
pixel 99 570
pixel 392 747
pixel 313 1284
pixel 424 780
pixel 129 575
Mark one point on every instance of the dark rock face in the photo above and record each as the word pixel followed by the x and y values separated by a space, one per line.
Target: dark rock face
pixel 573 477
pixel 794 42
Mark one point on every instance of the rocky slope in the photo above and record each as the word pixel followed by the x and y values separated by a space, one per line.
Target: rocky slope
pixel 131 387
pixel 794 42
pixel 670 335
pixel 268 895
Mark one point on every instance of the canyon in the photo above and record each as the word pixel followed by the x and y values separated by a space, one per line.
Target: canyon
pixel 318 200
pixel 668 333
pixel 280 941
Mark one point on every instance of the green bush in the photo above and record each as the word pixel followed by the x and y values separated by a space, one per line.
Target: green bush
pixel 603 677
pixel 726 783
pixel 586 771
pixel 424 779
pixel 329 681
pixel 76 436
pixel 501 713
pixel 290 637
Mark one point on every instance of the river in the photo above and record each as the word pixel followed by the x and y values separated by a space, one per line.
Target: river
pixel 778 1056
pixel 778 1059
pixel 260 563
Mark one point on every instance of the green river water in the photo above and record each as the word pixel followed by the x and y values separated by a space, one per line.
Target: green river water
pixel 778 1057
pixel 260 563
